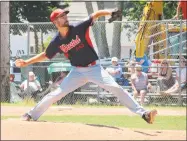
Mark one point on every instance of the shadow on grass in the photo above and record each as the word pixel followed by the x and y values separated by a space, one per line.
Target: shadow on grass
pixel 96 125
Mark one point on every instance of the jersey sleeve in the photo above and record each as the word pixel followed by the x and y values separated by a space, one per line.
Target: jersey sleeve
pixel 83 25
pixel 52 50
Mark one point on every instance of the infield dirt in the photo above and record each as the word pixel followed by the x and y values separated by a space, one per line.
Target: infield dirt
pixel 14 129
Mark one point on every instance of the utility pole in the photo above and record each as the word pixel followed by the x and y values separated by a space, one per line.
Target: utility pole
pixel 5 52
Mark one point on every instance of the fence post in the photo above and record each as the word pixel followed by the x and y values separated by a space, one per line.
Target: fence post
pixel 28 51
pixel 166 51
pixel 180 56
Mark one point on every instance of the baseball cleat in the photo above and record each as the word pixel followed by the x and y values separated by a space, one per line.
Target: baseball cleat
pixel 149 116
pixel 26 117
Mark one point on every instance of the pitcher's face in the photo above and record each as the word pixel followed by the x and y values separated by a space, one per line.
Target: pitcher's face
pixel 62 21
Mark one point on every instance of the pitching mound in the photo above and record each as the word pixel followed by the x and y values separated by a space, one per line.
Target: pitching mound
pixel 14 129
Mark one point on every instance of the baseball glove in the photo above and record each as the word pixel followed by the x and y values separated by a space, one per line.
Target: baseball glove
pixel 116 13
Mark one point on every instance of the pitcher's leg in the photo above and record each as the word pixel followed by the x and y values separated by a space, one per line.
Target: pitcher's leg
pixel 44 104
pixel 104 80
pixel 71 82
pixel 142 96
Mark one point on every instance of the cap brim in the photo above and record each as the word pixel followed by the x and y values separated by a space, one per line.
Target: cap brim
pixel 67 11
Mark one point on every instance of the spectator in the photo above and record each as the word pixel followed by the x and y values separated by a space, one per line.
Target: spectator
pixel 143 61
pixel 115 70
pixel 155 66
pixel 165 78
pixel 182 79
pixel 140 85
pixel 131 67
pixel 182 5
pixel 12 76
pixel 14 90
pixel 125 80
pixel 34 84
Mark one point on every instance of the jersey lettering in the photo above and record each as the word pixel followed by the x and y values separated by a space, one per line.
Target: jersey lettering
pixel 74 42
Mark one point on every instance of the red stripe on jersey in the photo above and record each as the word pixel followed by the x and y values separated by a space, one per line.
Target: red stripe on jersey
pixel 87 36
pixel 66 55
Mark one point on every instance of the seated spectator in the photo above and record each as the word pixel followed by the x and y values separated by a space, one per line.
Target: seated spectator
pixel 140 85
pixel 34 84
pixel 123 80
pixel 144 62
pixel 14 90
pixel 165 78
pixel 115 70
pixel 131 67
pixel 126 80
pixel 154 69
pixel 179 78
pixel 12 76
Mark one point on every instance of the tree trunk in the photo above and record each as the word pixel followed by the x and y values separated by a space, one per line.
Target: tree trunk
pixel 116 40
pixel 99 34
pixel 5 53
pixel 42 41
pixel 102 34
pixel 36 41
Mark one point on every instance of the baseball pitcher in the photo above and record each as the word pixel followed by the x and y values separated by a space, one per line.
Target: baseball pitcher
pixel 73 40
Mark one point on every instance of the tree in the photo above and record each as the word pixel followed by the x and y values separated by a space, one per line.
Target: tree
pixel 45 44
pixel 99 31
pixel 33 11
pixel 133 11
pixel 5 53
pixel 116 40
pixel 102 35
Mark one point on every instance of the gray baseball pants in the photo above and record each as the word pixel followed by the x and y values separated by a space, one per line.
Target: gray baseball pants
pixel 76 78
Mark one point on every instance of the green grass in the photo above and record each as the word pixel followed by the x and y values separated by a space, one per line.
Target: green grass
pixel 161 123
pixel 32 103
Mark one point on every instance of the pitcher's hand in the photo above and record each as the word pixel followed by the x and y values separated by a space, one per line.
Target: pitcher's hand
pixel 20 63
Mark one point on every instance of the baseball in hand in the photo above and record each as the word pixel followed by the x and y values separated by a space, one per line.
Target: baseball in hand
pixel 20 63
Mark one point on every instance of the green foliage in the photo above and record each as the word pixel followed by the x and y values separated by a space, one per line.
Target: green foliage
pixel 46 43
pixel 170 8
pixel 133 10
pixel 32 11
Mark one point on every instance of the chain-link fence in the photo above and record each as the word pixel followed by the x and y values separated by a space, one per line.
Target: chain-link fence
pixel 159 39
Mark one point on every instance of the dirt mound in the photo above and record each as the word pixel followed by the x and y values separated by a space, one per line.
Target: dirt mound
pixel 14 129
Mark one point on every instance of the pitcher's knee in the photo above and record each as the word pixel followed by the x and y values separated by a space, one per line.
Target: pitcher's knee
pixel 56 95
pixel 52 97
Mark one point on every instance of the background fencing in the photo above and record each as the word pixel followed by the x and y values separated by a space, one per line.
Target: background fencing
pixel 161 40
